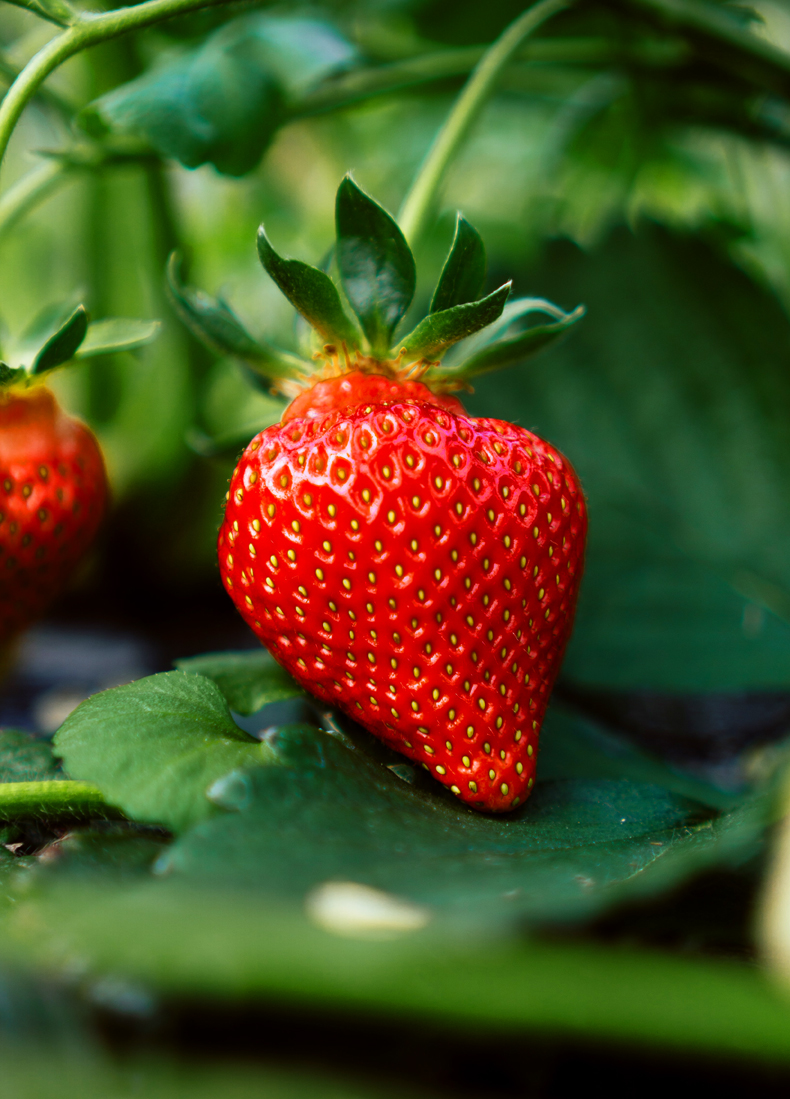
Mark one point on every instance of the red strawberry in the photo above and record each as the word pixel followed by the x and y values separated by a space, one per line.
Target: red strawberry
pixel 414 566
pixel 53 491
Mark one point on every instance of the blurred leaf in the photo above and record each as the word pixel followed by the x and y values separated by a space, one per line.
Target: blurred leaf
pixel 672 401
pixel 213 322
pixel 223 101
pixel 311 292
pixel 216 104
pixel 464 271
pixel 375 262
pixel 187 941
pixel 33 1069
pixel 117 334
pixel 438 331
pixel 155 746
pixel 248 679
pixel 63 345
pixel 25 759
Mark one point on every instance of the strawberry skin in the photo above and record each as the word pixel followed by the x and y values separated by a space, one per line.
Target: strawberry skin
pixel 417 568
pixel 53 491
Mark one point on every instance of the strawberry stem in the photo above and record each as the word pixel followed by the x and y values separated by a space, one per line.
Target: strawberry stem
pixel 54 799
pixel 420 201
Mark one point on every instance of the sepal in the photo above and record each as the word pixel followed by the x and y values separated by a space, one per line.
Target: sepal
pixel 311 292
pixel 9 374
pixel 216 325
pixel 113 334
pixel 493 353
pixel 63 344
pixel 464 271
pixel 376 265
pixel 438 331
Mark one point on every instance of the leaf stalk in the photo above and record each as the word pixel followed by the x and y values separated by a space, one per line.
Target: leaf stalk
pixel 52 798
pixel 421 198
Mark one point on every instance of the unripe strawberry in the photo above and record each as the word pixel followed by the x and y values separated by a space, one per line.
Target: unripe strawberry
pixel 412 565
pixel 53 492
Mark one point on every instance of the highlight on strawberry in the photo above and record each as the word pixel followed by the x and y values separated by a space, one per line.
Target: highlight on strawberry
pixel 53 484
pixel 406 562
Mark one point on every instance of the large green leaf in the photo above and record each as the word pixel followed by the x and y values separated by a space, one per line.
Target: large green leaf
pixel 438 331
pixel 672 400
pixel 345 810
pixel 154 747
pixel 223 101
pixel 311 292
pixel 464 271
pixel 375 263
pixel 248 680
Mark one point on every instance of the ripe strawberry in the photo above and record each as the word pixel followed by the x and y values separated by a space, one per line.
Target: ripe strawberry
pixel 417 568
pixel 53 491
pixel 412 565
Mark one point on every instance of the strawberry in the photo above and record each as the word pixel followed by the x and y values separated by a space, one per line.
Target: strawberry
pixel 53 486
pixel 53 491
pixel 417 568
pixel 404 561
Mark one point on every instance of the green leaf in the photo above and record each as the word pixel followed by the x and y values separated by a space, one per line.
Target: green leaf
pixel 464 271
pixel 117 334
pixel 223 102
pixel 189 941
pixel 23 758
pixel 334 811
pixel 216 104
pixel 672 402
pixel 493 353
pixel 80 1069
pixel 249 680
pixel 216 325
pixel 155 746
pixel 63 345
pixel 375 263
pixel 311 292
pixel 438 331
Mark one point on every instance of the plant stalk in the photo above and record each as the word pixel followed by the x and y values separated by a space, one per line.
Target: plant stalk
pixel 89 30
pixel 53 798
pixel 419 202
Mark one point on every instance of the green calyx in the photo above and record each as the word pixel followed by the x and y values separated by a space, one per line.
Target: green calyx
pixel 63 334
pixel 356 310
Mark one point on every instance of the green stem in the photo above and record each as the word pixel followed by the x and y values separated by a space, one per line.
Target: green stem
pixel 54 798
pixel 29 190
pixel 89 30
pixel 419 202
